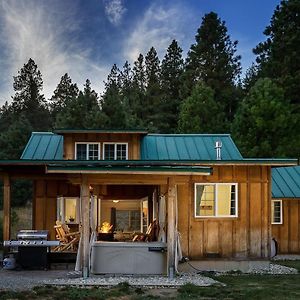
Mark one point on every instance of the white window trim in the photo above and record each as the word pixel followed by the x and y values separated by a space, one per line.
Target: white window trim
pixel 281 212
pixel 87 152
pixel 216 200
pixel 115 154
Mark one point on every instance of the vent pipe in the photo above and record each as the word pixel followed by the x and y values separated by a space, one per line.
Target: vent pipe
pixel 218 149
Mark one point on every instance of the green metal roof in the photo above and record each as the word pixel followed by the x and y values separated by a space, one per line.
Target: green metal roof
pixel 187 147
pixel 156 149
pixel 44 146
pixel 286 182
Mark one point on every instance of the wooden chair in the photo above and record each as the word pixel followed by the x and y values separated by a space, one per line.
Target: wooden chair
pixel 150 234
pixel 68 240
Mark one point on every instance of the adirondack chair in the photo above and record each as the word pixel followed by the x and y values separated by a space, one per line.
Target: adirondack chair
pixel 68 240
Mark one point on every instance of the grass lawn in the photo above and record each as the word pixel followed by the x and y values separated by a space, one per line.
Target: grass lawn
pixel 237 287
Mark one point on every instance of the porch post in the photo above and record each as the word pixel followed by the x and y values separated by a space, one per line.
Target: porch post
pixel 85 230
pixel 171 227
pixel 6 207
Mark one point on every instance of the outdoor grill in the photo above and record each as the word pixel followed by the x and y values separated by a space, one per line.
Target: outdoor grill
pixel 33 248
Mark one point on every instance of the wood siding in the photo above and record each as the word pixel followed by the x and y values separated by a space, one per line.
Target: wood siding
pixel 133 141
pixel 287 234
pixel 45 202
pixel 247 235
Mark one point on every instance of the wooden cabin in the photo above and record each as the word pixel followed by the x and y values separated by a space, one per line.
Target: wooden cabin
pixel 217 203
pixel 286 209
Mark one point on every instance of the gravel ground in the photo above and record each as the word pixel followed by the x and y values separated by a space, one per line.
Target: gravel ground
pixel 286 257
pixel 26 280
pixel 141 281
pixel 275 270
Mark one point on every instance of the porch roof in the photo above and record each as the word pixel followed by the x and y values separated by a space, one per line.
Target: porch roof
pixel 286 182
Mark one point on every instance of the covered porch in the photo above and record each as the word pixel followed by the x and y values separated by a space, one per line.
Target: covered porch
pixel 107 187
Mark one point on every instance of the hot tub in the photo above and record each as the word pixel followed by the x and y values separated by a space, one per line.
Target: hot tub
pixel 128 258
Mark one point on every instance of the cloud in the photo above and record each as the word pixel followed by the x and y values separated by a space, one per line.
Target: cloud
pixel 158 27
pixel 44 32
pixel 114 10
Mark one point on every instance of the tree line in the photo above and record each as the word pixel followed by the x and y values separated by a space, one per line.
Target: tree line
pixel 203 93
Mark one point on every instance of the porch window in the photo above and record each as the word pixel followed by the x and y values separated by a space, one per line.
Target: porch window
pixel 87 151
pixel 68 209
pixel 115 151
pixel 216 200
pixel 276 211
pixel 128 220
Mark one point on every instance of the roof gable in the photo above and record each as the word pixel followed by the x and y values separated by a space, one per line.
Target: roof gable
pixel 44 146
pixel 187 147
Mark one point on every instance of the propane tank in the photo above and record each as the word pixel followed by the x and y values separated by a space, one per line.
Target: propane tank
pixel 9 263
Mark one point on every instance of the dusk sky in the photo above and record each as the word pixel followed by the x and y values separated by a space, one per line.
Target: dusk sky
pixel 85 37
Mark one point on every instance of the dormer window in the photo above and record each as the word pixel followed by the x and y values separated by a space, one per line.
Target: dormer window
pixel 115 151
pixel 87 151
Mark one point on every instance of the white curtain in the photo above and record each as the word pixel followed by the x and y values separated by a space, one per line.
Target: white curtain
pixel 93 224
pixel 78 265
pixel 162 219
pixel 178 251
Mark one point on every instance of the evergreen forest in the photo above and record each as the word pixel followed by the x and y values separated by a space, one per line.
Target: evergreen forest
pixel 202 91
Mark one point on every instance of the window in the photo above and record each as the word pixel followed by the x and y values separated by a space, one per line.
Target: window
pixel 87 151
pixel 115 151
pixel 68 209
pixel 216 200
pixel 128 220
pixel 276 211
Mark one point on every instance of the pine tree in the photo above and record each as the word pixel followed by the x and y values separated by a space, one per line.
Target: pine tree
pixel 111 102
pixel 152 100
pixel 138 89
pixel 130 95
pixel 213 60
pixel 82 111
pixel 63 94
pixel 278 57
pixel 28 99
pixel 264 125
pixel 15 137
pixel 171 72
pixel 200 113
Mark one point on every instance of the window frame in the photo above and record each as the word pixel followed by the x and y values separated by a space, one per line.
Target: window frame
pixel 216 199
pixel 87 149
pixel 115 149
pixel 281 212
pixel 61 209
pixel 130 218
